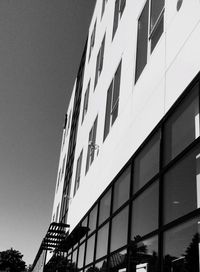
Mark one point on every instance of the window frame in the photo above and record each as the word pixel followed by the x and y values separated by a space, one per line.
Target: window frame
pixel 99 61
pixel 78 172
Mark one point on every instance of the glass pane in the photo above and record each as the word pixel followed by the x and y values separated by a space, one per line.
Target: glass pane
pixel 108 111
pixel 182 187
pixel 81 255
pixel 115 112
pixel 145 212
pixel 116 85
pixel 101 266
pixel 121 189
pixel 93 219
pixel 118 261
pixel 142 41
pixel 157 34
pixel 182 128
pixel 102 242
pixel 146 164
pixel 122 6
pixel 90 250
pixel 181 248
pixel 144 255
pixel 74 258
pixel 156 8
pixel 84 224
pixel 116 14
pixel 104 210
pixel 119 230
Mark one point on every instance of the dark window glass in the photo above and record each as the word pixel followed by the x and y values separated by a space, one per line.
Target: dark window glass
pixel 122 6
pixel 93 219
pixel 116 17
pixel 156 9
pixel 86 99
pixel 122 189
pixel 142 41
pixel 103 7
pixel 104 210
pixel 181 248
pixel 144 255
pixel 78 173
pixel 90 250
pixel 182 128
pixel 102 242
pixel 145 212
pixel 84 224
pixel 157 33
pixel 146 164
pixel 99 62
pixel 116 88
pixel 119 230
pixel 181 187
pixel 108 111
pixel 81 255
pixel 118 261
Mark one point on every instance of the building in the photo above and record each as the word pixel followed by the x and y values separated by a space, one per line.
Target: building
pixel 128 183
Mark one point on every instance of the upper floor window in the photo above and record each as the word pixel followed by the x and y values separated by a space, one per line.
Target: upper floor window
pixel 99 63
pixel 86 99
pixel 78 172
pixel 91 145
pixel 112 103
pixel 119 8
pixel 149 32
pixel 103 6
pixel 92 39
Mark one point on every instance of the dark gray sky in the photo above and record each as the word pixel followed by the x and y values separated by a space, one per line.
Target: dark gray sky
pixel 41 43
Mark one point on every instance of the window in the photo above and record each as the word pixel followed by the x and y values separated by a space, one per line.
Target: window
pixel 182 128
pixel 92 220
pixel 91 145
pixel 145 212
pixel 99 63
pixel 112 103
pixel 149 32
pixel 90 250
pixel 103 6
pixel 146 163
pixel 63 166
pixel 78 173
pixel 121 189
pixel 104 209
pixel 119 8
pixel 181 187
pixel 92 39
pixel 102 241
pixel 86 99
pixel 81 255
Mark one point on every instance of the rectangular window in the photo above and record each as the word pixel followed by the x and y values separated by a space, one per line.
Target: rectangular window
pixel 149 32
pixel 92 39
pixel 112 103
pixel 103 6
pixel 91 145
pixel 78 172
pixel 86 99
pixel 99 62
pixel 119 9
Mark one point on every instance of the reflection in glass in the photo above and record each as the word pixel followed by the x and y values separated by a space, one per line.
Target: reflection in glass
pixel 144 255
pixel 182 128
pixel 93 219
pixel 90 250
pixel 181 248
pixel 102 242
pixel 74 258
pixel 101 266
pixel 146 164
pixel 181 187
pixel 81 255
pixel 121 189
pixel 119 230
pixel 104 210
pixel 145 212
pixel 84 224
pixel 118 261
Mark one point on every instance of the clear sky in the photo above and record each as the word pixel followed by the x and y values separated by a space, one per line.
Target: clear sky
pixel 41 43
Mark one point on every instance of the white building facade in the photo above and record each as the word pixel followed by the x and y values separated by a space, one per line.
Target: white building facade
pixel 129 161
